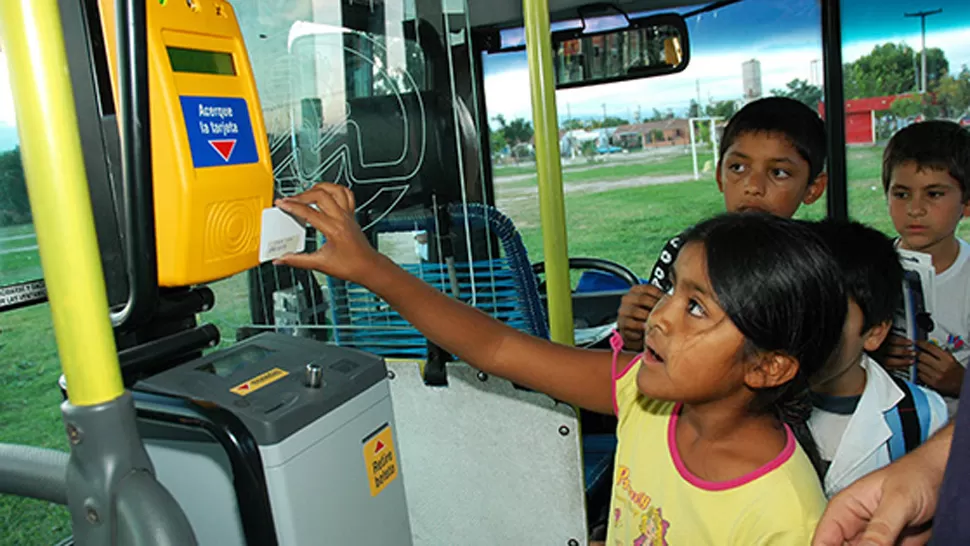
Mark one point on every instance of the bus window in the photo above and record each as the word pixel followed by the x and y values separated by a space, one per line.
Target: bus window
pixel 19 260
pixel 638 156
pixel 29 366
pixel 887 89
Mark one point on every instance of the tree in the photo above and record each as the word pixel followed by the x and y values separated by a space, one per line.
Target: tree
pixel 953 93
pixel 703 134
pixel 889 70
pixel 695 109
pixel 573 124
pixel 518 130
pixel 14 203
pixel 906 107
pixel 721 109
pixel 802 91
pixel 515 131
pixel 610 121
pixel 497 140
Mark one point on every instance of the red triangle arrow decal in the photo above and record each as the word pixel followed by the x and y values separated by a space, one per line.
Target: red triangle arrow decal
pixel 244 387
pixel 224 147
pixel 379 447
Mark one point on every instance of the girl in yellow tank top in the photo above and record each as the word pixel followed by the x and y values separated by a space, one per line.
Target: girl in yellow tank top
pixel 713 442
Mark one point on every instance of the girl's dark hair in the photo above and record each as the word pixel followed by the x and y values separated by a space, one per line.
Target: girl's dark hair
pixel 871 272
pixel 779 285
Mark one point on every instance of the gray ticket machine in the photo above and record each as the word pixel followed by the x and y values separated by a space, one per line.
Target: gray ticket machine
pixel 278 440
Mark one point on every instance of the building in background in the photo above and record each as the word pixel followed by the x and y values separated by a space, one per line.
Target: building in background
pixel 751 79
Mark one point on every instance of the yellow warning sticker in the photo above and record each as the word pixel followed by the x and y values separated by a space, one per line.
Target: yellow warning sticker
pixel 259 382
pixel 380 460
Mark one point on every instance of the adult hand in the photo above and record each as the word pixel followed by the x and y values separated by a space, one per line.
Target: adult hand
pixel 632 316
pixel 893 505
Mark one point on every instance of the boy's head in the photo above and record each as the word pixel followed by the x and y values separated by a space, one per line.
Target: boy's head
pixel 772 155
pixel 873 279
pixel 925 174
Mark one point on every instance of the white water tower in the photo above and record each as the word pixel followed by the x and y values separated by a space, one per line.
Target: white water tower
pixel 751 79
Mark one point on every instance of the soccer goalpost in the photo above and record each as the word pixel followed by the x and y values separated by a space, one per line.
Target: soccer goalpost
pixel 693 140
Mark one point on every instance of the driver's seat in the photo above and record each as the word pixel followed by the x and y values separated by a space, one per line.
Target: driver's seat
pixel 503 286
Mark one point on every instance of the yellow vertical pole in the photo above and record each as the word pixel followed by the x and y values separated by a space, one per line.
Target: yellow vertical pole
pixel 50 145
pixel 552 209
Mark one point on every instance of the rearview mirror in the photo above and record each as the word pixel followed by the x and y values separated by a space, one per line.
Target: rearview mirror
pixel 650 46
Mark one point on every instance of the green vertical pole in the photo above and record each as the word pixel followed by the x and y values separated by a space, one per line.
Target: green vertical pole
pixel 552 209
pixel 50 144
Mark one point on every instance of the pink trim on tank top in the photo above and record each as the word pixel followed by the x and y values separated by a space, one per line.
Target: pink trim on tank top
pixel 782 457
pixel 616 342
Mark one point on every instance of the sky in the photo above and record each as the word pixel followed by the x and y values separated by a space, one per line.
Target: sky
pixel 8 122
pixel 784 36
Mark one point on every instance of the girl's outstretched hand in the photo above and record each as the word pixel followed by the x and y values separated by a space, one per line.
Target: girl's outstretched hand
pixel 345 253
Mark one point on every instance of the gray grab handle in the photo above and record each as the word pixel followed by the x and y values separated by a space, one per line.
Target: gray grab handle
pixel 33 472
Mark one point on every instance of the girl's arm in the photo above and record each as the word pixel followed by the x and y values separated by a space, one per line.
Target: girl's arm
pixel 577 376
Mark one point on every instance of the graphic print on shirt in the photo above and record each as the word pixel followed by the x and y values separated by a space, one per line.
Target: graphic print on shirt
pixel 954 344
pixel 660 276
pixel 651 526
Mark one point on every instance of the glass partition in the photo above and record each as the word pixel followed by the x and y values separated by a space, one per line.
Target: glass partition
pixel 379 97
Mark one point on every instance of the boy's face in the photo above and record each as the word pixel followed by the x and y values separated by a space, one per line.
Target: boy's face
pixel 764 172
pixel 926 205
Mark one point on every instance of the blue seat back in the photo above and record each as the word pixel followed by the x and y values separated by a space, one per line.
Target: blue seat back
pixel 504 287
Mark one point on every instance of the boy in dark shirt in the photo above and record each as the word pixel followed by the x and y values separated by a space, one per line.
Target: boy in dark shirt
pixel 772 157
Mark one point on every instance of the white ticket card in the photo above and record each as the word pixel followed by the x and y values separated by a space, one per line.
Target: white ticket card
pixel 281 234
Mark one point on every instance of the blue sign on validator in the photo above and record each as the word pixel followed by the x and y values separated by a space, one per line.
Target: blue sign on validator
pixel 220 132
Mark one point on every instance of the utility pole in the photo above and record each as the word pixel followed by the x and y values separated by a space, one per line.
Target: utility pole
pixel 922 17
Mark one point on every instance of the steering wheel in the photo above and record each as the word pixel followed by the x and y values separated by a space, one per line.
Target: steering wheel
pixel 590 331
pixel 595 264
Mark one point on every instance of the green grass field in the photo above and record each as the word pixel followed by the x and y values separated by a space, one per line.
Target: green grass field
pixel 631 225
pixel 624 224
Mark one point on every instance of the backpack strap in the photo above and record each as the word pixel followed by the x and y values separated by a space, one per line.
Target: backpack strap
pixel 897 446
pixel 904 421
pixel 922 404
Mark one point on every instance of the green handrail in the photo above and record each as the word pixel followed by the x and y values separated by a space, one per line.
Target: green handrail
pixel 50 145
pixel 552 209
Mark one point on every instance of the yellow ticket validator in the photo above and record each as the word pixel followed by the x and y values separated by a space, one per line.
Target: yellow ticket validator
pixel 211 167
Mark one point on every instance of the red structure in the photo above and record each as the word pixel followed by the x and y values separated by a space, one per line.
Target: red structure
pixel 860 117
